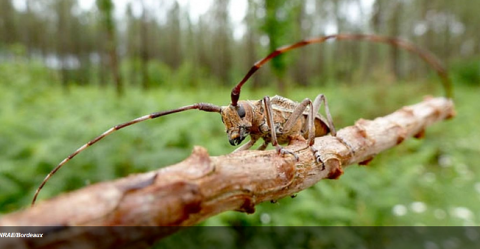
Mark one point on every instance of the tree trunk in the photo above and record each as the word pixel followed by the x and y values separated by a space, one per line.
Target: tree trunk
pixel 144 47
pixel 114 67
pixel 395 23
pixel 106 8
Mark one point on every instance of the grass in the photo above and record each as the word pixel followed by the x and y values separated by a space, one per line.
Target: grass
pixel 433 181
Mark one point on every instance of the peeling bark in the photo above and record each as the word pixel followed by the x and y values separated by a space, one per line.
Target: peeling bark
pixel 202 186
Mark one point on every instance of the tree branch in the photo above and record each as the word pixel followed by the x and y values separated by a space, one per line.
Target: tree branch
pixel 202 186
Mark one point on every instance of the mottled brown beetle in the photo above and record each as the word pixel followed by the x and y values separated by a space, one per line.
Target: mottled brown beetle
pixel 276 120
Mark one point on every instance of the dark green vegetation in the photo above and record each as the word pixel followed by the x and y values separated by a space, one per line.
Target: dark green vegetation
pixel 432 181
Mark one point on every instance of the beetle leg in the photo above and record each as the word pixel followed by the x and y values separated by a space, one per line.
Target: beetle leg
pixel 314 108
pixel 317 103
pixel 246 146
pixel 263 146
pixel 297 113
pixel 271 125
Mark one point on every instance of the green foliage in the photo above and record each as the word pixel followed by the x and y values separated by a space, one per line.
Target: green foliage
pixel 278 25
pixel 433 181
pixel 106 7
pixel 159 74
pixel 468 71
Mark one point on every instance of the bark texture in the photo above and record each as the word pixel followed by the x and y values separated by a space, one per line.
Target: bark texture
pixel 202 186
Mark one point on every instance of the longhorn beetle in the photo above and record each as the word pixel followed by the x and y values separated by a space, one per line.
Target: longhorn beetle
pixel 276 120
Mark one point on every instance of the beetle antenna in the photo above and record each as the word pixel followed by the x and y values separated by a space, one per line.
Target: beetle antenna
pixel 396 42
pixel 199 106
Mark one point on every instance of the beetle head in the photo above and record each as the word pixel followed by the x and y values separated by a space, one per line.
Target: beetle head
pixel 237 121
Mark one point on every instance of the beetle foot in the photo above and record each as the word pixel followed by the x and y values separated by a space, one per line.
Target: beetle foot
pixel 316 154
pixel 283 152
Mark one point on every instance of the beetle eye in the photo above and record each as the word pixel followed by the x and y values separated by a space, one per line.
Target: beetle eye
pixel 241 111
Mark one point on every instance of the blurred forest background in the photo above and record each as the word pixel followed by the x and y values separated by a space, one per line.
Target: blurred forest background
pixel 139 42
pixel 71 69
